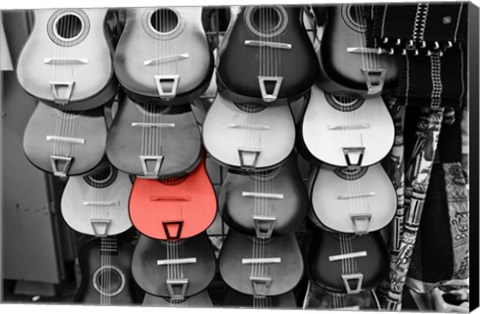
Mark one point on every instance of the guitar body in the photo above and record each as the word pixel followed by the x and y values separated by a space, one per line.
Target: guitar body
pixel 239 136
pixel 166 42
pixel 282 276
pixel 176 208
pixel 353 201
pixel 283 301
pixel 152 278
pixel 109 282
pixel 371 266
pixel 342 71
pixel 97 204
pixel 333 123
pixel 241 64
pixel 180 146
pixel 199 300
pixel 67 59
pixel 279 193
pixel 69 157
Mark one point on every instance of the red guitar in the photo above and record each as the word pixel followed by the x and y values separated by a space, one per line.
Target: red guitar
pixel 173 208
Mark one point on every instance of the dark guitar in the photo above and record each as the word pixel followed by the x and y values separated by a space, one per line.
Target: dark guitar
pixel 152 141
pixel 264 203
pixel 67 59
pixel 174 269
pixel 163 55
pixel 260 267
pixel 237 299
pixel 347 62
pixel 346 263
pixel 65 143
pixel 106 277
pixel 266 55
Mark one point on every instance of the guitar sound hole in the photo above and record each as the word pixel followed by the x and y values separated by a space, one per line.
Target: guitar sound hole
pixel 164 21
pixel 172 180
pixel 266 175
pixel 351 174
pixel 353 16
pixel 102 179
pixel 344 103
pixel 68 26
pixel 266 19
pixel 250 107
pixel 108 281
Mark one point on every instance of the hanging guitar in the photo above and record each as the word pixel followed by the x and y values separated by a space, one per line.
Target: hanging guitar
pixel 266 55
pixel 265 203
pixel 249 135
pixel 201 300
pixel 65 143
pixel 174 269
pixel 163 55
pixel 152 141
pixel 260 267
pixel 106 277
pixel 97 204
pixel 346 131
pixel 67 59
pixel 346 263
pixel 348 62
pixel 358 200
pixel 173 208
pixel 236 299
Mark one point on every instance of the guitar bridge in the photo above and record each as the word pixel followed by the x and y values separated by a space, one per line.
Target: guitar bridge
pixel 177 288
pixel 60 165
pixel 353 283
pixel 263 81
pixel 375 79
pixel 61 91
pixel 167 85
pixel 148 170
pixel 260 286
pixel 248 157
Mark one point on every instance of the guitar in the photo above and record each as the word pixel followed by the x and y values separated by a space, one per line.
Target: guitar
pixel 248 135
pixel 358 200
pixel 97 204
pixel 65 143
pixel 346 263
pixel 348 63
pixel 106 277
pixel 67 59
pixel 152 141
pixel 265 203
pixel 199 300
pixel 266 55
pixel 236 299
pixel 174 269
pixel 347 131
pixel 163 55
pixel 260 267
pixel 173 208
